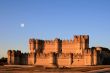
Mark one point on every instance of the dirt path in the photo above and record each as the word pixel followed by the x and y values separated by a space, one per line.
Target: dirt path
pixel 35 69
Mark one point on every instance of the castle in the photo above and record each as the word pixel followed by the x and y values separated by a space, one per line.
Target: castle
pixel 74 52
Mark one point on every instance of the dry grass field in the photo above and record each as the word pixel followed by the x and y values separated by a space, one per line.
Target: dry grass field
pixel 40 69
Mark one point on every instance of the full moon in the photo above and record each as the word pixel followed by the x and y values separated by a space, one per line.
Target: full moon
pixel 22 25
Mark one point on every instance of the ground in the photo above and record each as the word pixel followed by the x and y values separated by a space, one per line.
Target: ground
pixel 40 69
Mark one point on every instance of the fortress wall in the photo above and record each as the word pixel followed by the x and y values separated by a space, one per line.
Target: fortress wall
pixel 17 57
pixel 64 59
pixel 67 47
pixel 17 60
pixel 88 60
pixel 78 62
pixel 24 58
pixel 31 58
pixel 44 59
pixel 50 46
pixel 78 59
pixel 73 47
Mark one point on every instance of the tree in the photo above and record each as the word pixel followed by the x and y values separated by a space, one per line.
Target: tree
pixel 3 61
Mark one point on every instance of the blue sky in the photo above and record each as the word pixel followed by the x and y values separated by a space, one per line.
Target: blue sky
pixel 47 19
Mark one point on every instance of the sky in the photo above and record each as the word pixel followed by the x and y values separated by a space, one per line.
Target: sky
pixel 48 19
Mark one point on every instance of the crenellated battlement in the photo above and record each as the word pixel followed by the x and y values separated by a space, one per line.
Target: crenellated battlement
pixel 14 52
pixel 67 41
pixel 49 41
pixel 36 41
pixel 9 52
pixel 56 40
pixel 79 41
pixel 32 41
pixel 81 38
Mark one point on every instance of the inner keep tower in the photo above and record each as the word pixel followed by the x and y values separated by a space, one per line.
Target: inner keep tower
pixel 32 45
pixel 81 42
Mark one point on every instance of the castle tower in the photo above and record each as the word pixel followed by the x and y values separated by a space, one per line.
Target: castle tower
pixel 9 56
pixel 85 41
pixel 88 57
pixel 18 57
pixel 81 42
pixel 31 55
pixel 32 45
pixel 95 56
pixel 37 44
pixel 13 56
pixel 31 58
